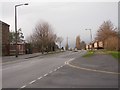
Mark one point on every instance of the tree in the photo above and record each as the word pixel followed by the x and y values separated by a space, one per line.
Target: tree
pixel 12 36
pixel 43 38
pixel 66 46
pixel 20 36
pixel 107 33
pixel 106 30
pixel 59 40
pixel 82 45
pixel 112 43
pixel 78 42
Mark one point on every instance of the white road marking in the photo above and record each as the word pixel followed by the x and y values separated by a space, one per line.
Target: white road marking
pixel 50 71
pixel 55 69
pixel 61 66
pixel 45 74
pixel 23 86
pixel 32 81
pixel 40 77
pixel 88 69
pixel 58 67
pixel 66 62
pixel 69 61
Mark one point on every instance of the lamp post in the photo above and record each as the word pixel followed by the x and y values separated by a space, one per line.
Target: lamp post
pixel 91 38
pixel 90 34
pixel 16 35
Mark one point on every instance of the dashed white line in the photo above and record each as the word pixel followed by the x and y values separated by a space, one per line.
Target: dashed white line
pixel 55 69
pixel 23 86
pixel 32 81
pixel 61 66
pixel 40 77
pixel 45 74
pixel 58 67
pixel 50 71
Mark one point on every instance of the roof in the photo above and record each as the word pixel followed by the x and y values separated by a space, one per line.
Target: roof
pixel 17 43
pixel 4 23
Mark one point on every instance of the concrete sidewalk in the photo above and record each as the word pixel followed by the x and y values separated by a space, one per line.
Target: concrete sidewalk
pixel 102 62
pixel 25 56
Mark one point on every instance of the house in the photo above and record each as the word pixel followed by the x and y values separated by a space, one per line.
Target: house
pixel 20 48
pixel 5 38
pixel 98 45
pixel 95 45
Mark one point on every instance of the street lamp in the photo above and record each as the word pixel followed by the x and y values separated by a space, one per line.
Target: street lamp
pixel 16 53
pixel 91 37
pixel 90 34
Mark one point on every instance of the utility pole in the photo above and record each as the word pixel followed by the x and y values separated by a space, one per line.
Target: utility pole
pixel 90 36
pixel 16 33
pixel 90 33
pixel 66 47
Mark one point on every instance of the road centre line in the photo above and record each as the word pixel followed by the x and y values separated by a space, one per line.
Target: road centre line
pixel 58 67
pixel 32 81
pixel 69 60
pixel 40 77
pixel 55 69
pixel 45 74
pixel 61 66
pixel 23 86
pixel 50 71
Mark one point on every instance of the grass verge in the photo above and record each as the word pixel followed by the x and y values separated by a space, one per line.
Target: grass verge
pixel 115 54
pixel 89 53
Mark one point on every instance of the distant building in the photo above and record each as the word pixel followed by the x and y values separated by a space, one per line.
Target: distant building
pixel 98 45
pixel 20 47
pixel 95 45
pixel 5 38
pixel 87 47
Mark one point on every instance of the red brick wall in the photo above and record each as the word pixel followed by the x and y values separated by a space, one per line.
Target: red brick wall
pixel 5 39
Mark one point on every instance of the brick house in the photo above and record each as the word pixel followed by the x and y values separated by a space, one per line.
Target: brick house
pixel 20 47
pixel 5 38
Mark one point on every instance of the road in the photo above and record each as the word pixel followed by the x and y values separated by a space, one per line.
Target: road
pixel 54 71
pixel 19 74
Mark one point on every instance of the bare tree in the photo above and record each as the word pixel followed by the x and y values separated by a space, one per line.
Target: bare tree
pixel 108 34
pixel 43 37
pixel 59 40
pixel 106 30
pixel 82 45
pixel 78 42
pixel 112 43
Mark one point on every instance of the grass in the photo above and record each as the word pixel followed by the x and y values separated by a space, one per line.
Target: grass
pixel 115 54
pixel 89 53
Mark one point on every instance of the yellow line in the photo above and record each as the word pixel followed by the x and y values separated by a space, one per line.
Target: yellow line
pixel 94 70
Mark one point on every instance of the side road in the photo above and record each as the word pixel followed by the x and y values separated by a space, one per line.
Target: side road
pixel 98 62
pixel 22 57
pixel 97 71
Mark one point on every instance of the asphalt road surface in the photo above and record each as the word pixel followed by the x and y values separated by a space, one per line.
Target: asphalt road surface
pixel 19 74
pixel 52 71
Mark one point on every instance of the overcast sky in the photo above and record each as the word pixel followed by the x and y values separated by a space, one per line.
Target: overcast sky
pixel 68 19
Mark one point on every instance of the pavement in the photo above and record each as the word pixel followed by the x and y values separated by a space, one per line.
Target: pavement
pixel 63 70
pixel 23 57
